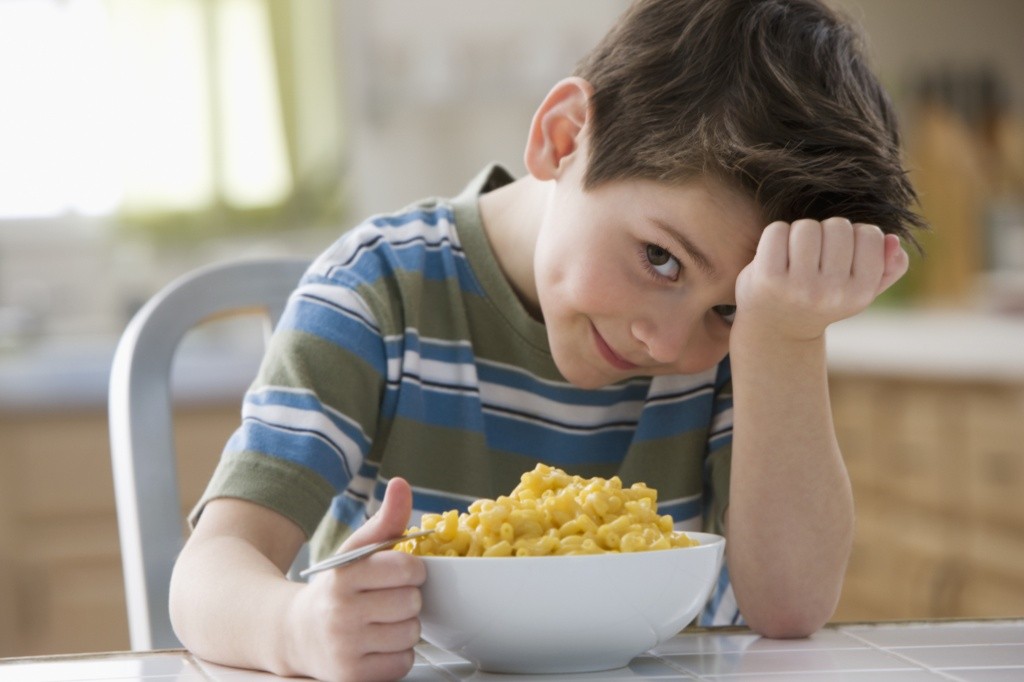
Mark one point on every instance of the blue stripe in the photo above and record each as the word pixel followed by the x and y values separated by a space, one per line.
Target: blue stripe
pixel 435 503
pixel 558 448
pixel 431 216
pixel 350 512
pixel 500 375
pixel 432 262
pixel 306 447
pixel 724 373
pixel 341 329
pixel 459 409
pixel 667 420
pixel 468 282
pixel 377 259
pixel 707 618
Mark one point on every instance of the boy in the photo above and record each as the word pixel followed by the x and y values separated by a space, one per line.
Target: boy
pixel 701 202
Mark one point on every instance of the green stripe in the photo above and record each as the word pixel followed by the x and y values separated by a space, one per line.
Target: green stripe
pixel 300 360
pixel 284 486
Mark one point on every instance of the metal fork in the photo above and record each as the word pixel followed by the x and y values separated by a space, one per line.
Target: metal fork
pixel 359 553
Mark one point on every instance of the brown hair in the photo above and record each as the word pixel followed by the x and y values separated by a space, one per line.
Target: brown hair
pixel 774 97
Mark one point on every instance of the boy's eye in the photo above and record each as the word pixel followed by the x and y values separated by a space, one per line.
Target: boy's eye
pixel 726 312
pixel 663 262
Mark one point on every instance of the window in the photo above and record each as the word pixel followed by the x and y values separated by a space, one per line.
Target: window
pixel 168 114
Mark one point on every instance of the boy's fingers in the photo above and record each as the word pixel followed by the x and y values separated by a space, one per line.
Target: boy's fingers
pixel 869 255
pixel 805 241
pixel 389 521
pixel 773 248
pixel 838 246
pixel 896 263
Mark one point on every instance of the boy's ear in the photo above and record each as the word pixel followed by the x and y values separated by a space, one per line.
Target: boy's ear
pixel 556 131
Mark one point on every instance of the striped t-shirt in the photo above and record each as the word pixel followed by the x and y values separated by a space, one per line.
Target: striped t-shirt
pixel 405 352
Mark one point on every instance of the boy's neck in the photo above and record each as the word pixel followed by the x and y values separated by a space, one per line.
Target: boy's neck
pixel 511 218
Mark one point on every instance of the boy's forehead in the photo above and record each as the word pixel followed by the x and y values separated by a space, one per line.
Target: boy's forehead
pixel 712 204
pixel 708 219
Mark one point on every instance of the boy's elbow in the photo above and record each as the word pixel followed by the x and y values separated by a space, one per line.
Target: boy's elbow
pixel 789 623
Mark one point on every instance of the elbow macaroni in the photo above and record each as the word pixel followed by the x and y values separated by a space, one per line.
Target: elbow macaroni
pixel 551 512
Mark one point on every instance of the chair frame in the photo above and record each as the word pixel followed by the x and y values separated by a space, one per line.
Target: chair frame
pixel 141 429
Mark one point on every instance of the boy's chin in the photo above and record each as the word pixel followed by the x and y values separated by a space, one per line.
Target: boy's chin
pixel 585 377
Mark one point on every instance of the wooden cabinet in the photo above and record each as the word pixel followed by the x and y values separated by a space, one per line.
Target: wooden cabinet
pixel 938 478
pixel 61 586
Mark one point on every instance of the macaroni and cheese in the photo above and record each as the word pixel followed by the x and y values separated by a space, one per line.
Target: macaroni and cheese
pixel 551 512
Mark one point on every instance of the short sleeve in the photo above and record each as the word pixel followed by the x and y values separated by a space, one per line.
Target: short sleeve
pixel 718 461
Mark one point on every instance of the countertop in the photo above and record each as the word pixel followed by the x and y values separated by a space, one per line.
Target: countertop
pixel 957 651
pixel 218 365
pixel 935 344
pixel 61 374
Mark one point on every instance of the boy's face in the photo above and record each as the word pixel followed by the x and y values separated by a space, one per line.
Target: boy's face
pixel 637 278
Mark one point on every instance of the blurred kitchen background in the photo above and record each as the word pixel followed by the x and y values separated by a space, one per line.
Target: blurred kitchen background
pixel 139 140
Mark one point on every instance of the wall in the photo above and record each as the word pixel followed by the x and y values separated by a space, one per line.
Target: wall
pixel 907 35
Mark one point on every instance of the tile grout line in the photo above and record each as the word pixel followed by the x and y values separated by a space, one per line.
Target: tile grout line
pixel 907 659
pixel 689 673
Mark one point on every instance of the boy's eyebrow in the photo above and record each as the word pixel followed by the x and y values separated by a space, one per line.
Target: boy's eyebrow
pixel 698 257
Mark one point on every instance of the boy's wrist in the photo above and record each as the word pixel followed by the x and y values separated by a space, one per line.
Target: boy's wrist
pixel 288 635
pixel 761 340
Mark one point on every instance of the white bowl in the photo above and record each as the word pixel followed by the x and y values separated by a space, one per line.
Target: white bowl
pixel 560 614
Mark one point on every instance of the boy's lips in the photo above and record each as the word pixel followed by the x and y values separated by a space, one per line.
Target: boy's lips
pixel 610 356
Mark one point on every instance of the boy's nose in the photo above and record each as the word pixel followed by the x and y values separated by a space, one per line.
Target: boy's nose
pixel 664 337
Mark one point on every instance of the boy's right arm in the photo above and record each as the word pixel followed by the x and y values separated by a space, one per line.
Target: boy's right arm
pixel 232 604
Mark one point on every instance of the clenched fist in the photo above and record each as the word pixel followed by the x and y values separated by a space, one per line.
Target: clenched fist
pixel 809 274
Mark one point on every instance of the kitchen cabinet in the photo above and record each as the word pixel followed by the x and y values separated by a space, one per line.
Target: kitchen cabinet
pixel 61 584
pixel 937 467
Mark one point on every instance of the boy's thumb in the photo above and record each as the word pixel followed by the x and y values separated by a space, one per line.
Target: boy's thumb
pixel 389 521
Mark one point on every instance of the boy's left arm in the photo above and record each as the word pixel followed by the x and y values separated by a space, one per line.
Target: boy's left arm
pixel 790 518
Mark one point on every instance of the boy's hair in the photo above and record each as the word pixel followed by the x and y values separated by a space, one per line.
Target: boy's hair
pixel 774 97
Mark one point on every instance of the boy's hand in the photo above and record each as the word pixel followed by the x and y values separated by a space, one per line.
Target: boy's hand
pixel 361 620
pixel 809 274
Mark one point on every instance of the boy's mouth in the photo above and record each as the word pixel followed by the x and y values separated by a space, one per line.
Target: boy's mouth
pixel 609 355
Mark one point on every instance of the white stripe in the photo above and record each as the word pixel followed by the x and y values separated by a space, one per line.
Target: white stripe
pixel 362 487
pixel 675 399
pixel 365 486
pixel 267 390
pixel 690 525
pixel 722 421
pixel 342 297
pixel 515 369
pixel 449 390
pixel 295 418
pixel 727 609
pixel 681 500
pixel 432 371
pixel 438 371
pixel 671 384
pixel 343 249
pixel 433 235
pixel 530 404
